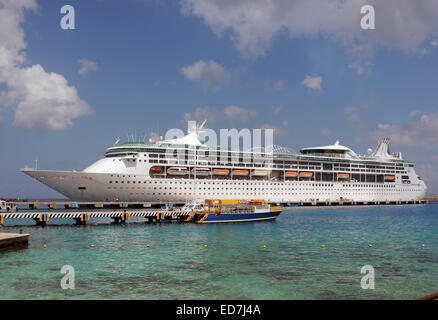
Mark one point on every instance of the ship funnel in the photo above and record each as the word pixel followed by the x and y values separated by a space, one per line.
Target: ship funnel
pixel 382 150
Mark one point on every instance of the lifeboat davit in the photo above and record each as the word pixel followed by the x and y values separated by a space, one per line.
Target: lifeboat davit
pixel 179 171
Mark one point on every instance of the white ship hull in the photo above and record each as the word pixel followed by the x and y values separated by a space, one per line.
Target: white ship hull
pixel 88 186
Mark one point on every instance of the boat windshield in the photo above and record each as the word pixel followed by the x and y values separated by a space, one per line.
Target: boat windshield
pixel 193 206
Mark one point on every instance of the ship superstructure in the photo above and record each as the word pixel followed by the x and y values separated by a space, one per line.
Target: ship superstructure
pixel 184 169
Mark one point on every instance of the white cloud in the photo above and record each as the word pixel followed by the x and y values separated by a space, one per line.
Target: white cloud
pixel 279 131
pixel 313 82
pixel 87 66
pixel 415 113
pixel 253 24
pixel 202 113
pixel 210 75
pixel 279 85
pixel 235 115
pixel 423 131
pixel 233 112
pixel 44 99
pixel 214 115
pixel 275 86
pixel 434 43
pixel 40 99
pixel 351 113
pixel 277 110
pixel 427 172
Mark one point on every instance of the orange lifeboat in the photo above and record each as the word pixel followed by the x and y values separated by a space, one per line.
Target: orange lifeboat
pixel 291 174
pixel 221 172
pixel 259 173
pixel 343 176
pixel 240 172
pixel 306 174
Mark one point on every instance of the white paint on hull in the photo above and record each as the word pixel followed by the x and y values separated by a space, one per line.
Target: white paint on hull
pixel 88 186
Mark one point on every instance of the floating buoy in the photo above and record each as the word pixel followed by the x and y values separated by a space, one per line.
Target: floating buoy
pixel 370 245
pixel 264 246
pixel 205 246
pixel 422 245
pixel 148 245
pixel 323 246
pixel 44 246
pixel 92 246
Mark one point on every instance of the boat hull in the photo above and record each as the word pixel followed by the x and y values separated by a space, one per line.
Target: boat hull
pixel 240 217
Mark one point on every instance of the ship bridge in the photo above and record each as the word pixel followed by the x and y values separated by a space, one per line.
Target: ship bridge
pixel 335 150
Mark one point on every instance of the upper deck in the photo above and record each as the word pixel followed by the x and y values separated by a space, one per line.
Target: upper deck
pixel 217 155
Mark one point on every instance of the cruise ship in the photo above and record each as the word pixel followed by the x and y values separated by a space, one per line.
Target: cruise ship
pixel 184 169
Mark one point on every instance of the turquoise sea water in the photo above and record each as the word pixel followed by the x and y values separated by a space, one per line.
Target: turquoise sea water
pixel 235 264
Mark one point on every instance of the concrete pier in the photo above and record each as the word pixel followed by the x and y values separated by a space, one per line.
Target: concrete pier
pixel 10 240
pixel 122 212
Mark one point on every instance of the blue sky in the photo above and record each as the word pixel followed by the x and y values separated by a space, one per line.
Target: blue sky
pixel 155 64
